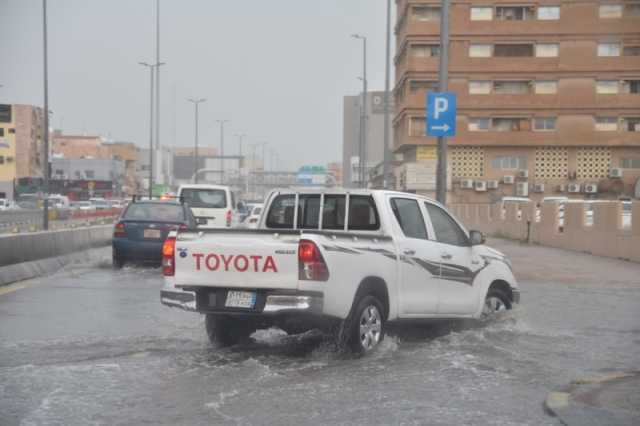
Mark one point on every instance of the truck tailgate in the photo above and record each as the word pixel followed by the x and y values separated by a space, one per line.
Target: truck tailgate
pixel 237 259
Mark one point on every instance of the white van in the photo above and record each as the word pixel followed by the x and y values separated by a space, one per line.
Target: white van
pixel 214 206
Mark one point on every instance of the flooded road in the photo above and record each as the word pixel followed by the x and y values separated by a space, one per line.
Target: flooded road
pixel 90 345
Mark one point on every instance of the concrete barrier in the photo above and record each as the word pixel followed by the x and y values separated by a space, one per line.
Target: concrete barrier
pixel 25 256
pixel 598 228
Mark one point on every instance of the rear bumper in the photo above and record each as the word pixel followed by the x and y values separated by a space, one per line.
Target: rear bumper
pixel 178 299
pixel 268 301
pixel 138 250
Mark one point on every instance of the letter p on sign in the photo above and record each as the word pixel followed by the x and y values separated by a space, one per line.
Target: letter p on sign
pixel 441 114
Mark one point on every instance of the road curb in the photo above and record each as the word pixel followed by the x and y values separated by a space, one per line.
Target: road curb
pixel 576 403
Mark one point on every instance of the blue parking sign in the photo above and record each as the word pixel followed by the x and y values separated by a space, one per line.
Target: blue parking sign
pixel 441 114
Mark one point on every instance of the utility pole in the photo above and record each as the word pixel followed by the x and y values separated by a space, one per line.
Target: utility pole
pixel 443 83
pixel 157 144
pixel 45 218
pixel 152 69
pixel 222 148
pixel 240 137
pixel 386 162
pixel 363 112
pixel 196 102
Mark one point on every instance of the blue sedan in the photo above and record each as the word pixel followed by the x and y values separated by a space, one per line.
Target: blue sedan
pixel 142 228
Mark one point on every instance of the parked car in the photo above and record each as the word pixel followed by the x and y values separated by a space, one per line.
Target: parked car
pixel 142 228
pixel 214 206
pixel 252 220
pixel 83 206
pixel 345 261
pixel 100 203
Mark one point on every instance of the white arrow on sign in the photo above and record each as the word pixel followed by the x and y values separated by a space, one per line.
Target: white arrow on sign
pixel 444 127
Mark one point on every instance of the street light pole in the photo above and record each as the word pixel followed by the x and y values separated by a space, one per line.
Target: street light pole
pixel 363 112
pixel 196 102
pixel 386 162
pixel 240 137
pixel 443 77
pixel 222 148
pixel 152 68
pixel 45 218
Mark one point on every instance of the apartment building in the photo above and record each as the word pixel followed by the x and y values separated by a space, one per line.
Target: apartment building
pixel 21 145
pixel 548 97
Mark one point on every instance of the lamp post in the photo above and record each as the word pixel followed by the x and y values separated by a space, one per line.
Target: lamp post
pixel 363 111
pixel 386 162
pixel 443 83
pixel 152 69
pixel 45 218
pixel 222 148
pixel 196 102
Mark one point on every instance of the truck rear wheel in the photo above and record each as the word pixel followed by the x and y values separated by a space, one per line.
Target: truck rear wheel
pixel 366 326
pixel 225 330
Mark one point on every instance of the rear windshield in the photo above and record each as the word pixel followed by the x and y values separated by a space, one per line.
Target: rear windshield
pixel 155 212
pixel 363 215
pixel 205 198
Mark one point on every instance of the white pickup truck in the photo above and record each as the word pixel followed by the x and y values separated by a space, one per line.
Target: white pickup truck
pixel 355 259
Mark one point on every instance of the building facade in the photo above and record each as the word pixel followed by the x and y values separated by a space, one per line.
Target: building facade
pixel 548 96
pixel 21 145
pixel 374 152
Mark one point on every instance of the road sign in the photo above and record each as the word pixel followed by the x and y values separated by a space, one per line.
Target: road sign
pixel 441 114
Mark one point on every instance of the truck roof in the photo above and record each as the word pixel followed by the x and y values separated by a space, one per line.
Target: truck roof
pixel 355 191
pixel 202 186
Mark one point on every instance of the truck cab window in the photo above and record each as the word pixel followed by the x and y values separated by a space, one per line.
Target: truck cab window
pixel 446 229
pixel 409 217
pixel 281 212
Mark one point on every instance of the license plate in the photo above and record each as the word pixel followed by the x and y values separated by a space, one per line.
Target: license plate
pixel 240 299
pixel 152 233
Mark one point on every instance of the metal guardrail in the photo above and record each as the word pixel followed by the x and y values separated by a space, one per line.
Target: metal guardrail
pixel 17 221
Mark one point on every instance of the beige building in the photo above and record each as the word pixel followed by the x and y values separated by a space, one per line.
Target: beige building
pixel 21 145
pixel 548 97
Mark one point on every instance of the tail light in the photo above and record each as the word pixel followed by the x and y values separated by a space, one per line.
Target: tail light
pixel 119 231
pixel 311 264
pixel 168 256
pixel 229 218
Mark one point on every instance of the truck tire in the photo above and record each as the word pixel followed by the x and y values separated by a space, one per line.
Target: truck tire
pixel 224 330
pixel 494 303
pixel 365 328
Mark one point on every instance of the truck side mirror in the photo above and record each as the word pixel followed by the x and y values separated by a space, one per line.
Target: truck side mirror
pixel 476 238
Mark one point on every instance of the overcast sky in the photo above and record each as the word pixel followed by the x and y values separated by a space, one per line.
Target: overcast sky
pixel 278 69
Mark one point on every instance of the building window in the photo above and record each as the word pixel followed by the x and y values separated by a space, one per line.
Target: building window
pixel 631 51
pixel 1 132
pixel 480 50
pixel 425 13
pixel 89 174
pixel 544 124
pixel 606 124
pixel 630 124
pixel 1 159
pixel 551 163
pixel 608 49
pixel 593 162
pixel 511 87
pixel 514 13
pixel 425 50
pixel 417 126
pixel 422 85
pixel 5 113
pixel 481 13
pixel 632 10
pixel 12 131
pixel 630 86
pixel 610 11
pixel 513 50
pixel 510 162
pixel 467 162
pixel 547 50
pixel 479 87
pixel 548 87
pixel 479 124
pixel 630 163
pixel 503 124
pixel 549 13
pixel 607 87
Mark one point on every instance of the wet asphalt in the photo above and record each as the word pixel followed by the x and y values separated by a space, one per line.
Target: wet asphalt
pixel 90 345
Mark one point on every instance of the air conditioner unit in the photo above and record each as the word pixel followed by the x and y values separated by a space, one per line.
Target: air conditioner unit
pixel 508 180
pixel 523 173
pixel 492 184
pixel 522 189
pixel 480 186
pixel 561 188
pixel 466 184
pixel 574 187
pixel 538 187
pixel 590 188
pixel 615 173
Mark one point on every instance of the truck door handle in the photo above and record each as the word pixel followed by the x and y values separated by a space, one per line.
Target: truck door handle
pixel 409 252
pixel 446 256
